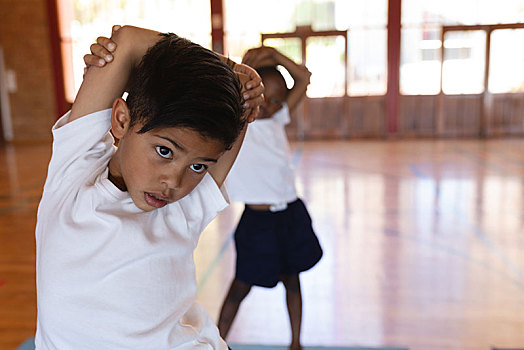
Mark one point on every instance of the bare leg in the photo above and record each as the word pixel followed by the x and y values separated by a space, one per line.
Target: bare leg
pixel 237 292
pixel 294 308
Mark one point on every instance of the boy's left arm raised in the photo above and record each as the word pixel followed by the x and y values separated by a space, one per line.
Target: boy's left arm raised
pixel 252 87
pixel 102 86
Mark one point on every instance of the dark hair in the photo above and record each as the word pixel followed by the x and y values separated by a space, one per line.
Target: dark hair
pixel 272 70
pixel 181 84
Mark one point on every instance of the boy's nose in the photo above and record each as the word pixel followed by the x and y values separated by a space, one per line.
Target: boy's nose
pixel 172 179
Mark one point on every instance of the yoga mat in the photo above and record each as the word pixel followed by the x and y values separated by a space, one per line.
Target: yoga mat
pixel 283 347
pixel 29 344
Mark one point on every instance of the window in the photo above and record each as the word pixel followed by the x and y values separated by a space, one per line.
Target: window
pixel 325 57
pixel 366 21
pixel 421 45
pixel 82 21
pixel 464 61
pixel 292 48
pixel 506 61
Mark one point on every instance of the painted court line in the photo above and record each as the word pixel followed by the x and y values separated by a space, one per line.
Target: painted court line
pixel 479 160
pixel 214 263
pixel 479 233
pixel 454 252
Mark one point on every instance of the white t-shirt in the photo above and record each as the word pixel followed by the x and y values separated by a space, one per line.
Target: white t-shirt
pixel 109 275
pixel 262 172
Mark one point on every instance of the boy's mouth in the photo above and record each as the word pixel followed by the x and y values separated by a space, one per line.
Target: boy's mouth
pixel 155 200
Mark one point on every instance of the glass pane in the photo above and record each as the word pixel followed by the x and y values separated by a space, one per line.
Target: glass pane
pixel 290 47
pixel 242 32
pixel 451 12
pixel 367 62
pixel 85 20
pixel 361 14
pixel 464 60
pixel 325 60
pixel 276 16
pixel 420 61
pixel 507 61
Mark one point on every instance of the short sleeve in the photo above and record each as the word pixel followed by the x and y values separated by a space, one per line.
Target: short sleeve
pixel 79 145
pixel 282 115
pixel 203 204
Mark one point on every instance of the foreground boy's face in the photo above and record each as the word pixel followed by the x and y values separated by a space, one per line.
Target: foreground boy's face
pixel 162 166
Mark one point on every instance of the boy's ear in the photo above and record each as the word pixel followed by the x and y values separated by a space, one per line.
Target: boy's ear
pixel 120 118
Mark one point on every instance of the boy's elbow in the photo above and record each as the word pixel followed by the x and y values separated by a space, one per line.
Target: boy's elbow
pixel 122 36
pixel 134 41
pixel 307 76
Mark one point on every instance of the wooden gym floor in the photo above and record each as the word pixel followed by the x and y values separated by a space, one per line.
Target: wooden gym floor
pixel 423 247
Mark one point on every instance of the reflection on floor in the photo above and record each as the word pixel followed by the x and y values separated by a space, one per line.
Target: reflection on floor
pixel 423 243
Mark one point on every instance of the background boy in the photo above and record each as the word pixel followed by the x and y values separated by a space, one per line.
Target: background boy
pixel 274 239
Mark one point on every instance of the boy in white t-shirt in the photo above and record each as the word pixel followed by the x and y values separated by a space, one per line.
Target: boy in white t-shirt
pixel 117 227
pixel 274 239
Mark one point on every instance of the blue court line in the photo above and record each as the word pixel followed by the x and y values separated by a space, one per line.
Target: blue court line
pixel 475 158
pixel 297 155
pixel 455 252
pixel 496 250
pixel 514 270
pixel 476 229
pixel 418 173
pixel 422 176
pixel 214 263
pixel 483 238
pixel 29 344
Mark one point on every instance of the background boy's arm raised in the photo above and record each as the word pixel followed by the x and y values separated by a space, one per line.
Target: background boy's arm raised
pixel 102 86
pixel 268 56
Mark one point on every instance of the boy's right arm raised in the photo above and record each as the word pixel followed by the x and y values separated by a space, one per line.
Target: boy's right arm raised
pixel 102 86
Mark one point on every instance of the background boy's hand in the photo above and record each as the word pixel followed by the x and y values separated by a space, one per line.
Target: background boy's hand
pixel 265 56
pixel 262 56
pixel 252 90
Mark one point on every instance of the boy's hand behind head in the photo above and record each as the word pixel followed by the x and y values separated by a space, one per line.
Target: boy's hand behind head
pixel 260 57
pixel 252 87
pixel 248 111
pixel 252 90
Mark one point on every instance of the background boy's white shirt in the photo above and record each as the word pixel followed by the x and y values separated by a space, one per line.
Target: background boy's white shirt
pixel 262 172
pixel 109 275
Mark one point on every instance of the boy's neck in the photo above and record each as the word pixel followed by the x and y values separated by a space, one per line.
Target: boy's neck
pixel 118 181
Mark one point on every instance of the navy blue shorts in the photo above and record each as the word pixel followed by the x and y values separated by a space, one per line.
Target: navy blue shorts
pixel 271 244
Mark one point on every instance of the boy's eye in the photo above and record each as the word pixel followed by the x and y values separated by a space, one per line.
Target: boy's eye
pixel 163 151
pixel 198 168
